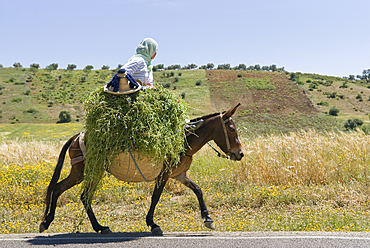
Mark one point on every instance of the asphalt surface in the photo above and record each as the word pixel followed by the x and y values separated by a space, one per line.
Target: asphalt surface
pixel 190 239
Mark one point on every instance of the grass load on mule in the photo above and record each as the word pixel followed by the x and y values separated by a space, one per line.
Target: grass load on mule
pixel 149 121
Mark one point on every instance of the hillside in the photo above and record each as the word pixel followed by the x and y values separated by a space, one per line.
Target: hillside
pixel 271 102
pixel 351 97
pixel 259 93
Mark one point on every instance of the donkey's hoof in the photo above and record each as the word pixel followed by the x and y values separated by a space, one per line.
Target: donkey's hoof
pixel 106 230
pixel 210 225
pixel 157 231
pixel 42 227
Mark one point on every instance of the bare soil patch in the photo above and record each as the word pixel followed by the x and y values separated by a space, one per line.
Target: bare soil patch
pixel 287 98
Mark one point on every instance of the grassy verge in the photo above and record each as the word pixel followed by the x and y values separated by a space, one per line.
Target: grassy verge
pixel 299 182
pixel 40 132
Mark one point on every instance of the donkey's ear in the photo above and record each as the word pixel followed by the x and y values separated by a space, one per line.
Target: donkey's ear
pixel 230 112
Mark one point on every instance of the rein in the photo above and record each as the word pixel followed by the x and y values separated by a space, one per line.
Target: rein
pixel 219 154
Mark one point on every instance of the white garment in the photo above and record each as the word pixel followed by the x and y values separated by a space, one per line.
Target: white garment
pixel 137 68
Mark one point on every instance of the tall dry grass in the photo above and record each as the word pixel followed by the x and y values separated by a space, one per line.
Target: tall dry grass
pixel 271 189
pixel 29 152
pixel 306 158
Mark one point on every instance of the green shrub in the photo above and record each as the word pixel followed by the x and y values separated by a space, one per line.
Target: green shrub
pixel 341 96
pixel 298 81
pixel 29 78
pixel 293 76
pixel 240 75
pixel 332 94
pixel 64 116
pixel 30 111
pixel 183 95
pixel 328 83
pixel 313 86
pixel 83 79
pixel 88 68
pixel 199 82
pixel 18 99
pixel 359 97
pixel 17 65
pixel 10 80
pixel 333 111
pixel 352 124
pixel 366 128
pixel 53 66
pixel 323 103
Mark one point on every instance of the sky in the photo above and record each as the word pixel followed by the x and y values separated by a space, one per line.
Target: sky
pixel 326 37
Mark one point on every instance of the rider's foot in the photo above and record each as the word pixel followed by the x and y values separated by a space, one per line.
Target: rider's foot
pixel 192 126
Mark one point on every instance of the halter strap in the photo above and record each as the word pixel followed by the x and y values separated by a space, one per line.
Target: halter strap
pixel 225 132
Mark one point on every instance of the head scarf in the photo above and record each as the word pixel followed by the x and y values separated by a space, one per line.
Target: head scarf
pixel 146 49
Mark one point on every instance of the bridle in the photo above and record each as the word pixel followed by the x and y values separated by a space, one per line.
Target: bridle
pixel 225 132
pixel 223 123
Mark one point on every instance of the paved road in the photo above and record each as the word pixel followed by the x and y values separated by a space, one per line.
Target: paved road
pixel 190 239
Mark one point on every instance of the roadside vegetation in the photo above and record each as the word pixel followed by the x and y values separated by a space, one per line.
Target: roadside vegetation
pixel 304 181
pixel 305 136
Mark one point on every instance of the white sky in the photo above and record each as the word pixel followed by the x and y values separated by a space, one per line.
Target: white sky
pixel 328 37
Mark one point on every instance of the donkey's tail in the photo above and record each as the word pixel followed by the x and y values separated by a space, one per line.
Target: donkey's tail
pixel 56 175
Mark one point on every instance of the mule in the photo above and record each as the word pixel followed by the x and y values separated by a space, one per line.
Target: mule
pixel 217 127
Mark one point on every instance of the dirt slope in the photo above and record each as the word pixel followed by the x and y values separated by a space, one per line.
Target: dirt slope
pixel 281 96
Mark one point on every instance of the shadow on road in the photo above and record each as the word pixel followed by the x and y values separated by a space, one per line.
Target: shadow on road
pixel 86 238
pixel 97 238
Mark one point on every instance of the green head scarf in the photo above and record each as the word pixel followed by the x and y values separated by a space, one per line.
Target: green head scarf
pixel 146 49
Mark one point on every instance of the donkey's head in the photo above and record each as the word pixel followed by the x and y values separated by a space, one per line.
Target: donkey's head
pixel 226 136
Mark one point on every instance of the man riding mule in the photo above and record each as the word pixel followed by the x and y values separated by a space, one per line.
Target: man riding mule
pixel 217 127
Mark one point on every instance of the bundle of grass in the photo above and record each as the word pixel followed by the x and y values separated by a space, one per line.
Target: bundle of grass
pixel 149 121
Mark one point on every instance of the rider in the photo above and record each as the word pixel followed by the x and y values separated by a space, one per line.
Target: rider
pixel 139 66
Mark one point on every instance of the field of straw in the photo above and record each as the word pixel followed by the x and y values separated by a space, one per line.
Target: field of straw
pixel 304 181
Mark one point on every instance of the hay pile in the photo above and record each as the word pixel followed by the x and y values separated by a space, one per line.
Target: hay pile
pixel 150 121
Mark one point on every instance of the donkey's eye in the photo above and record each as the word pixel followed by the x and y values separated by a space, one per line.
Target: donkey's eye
pixel 231 129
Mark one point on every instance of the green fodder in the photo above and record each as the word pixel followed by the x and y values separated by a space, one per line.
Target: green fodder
pixel 150 121
pixel 306 158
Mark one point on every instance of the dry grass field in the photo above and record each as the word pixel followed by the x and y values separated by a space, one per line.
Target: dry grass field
pixel 301 181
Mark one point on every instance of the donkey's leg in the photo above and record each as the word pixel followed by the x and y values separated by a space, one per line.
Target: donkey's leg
pixel 86 198
pixel 158 189
pixel 186 180
pixel 94 222
pixel 75 177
